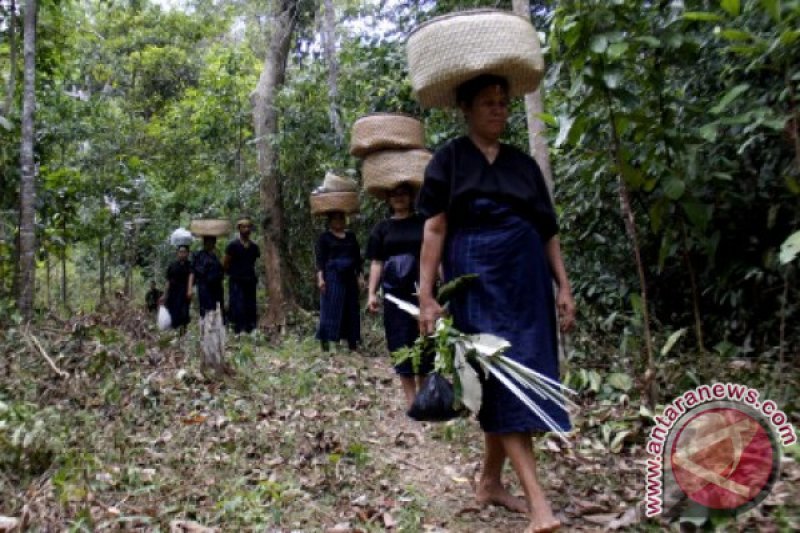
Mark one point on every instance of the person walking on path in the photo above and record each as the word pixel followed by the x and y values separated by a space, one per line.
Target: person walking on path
pixel 393 250
pixel 208 277
pixel 239 263
pixel 338 261
pixel 488 212
pixel 178 293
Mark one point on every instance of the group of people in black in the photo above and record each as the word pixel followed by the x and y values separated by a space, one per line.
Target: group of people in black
pixel 483 209
pixel 205 272
pixel 393 252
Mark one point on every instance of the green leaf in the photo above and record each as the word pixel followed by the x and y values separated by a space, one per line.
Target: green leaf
pixel 649 40
pixel 731 6
pixel 674 188
pixel 598 44
pixel 729 97
pixel 672 340
pixel 736 35
pixel 773 7
pixel 708 132
pixel 789 37
pixel 702 16
pixel 5 123
pixel 548 119
pixel 698 213
pixel 620 381
pixel 617 50
pixel 790 248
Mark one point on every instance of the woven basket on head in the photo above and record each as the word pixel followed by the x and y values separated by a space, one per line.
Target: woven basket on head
pixel 382 131
pixel 329 202
pixel 385 170
pixel 449 50
pixel 334 183
pixel 210 227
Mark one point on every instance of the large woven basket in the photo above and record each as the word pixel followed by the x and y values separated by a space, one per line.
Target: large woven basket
pixel 210 227
pixel 385 170
pixel 329 202
pixel 382 131
pixel 446 51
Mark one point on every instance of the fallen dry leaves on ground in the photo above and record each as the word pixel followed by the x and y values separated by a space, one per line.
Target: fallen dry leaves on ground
pixel 133 437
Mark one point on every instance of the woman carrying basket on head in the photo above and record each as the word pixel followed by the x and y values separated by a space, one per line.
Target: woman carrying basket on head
pixel 488 212
pixel 393 250
pixel 339 262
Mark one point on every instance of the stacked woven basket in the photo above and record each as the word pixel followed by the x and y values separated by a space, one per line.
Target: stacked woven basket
pixel 393 148
pixel 336 194
pixel 210 227
pixel 446 51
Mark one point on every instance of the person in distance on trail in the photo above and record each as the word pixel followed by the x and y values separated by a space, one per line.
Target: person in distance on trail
pixel 152 297
pixel 338 261
pixel 239 263
pixel 178 293
pixel 393 250
pixel 208 276
pixel 488 212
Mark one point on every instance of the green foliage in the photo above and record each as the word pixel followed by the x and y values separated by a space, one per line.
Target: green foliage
pixel 29 438
pixel 700 111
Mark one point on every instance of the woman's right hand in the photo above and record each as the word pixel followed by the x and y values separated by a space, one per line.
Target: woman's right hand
pixel 429 312
pixel 373 304
pixel 321 285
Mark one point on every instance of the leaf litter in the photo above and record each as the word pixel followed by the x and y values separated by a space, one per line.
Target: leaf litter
pixel 138 438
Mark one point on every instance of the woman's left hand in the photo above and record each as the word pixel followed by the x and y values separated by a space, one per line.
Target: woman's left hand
pixel 189 296
pixel 566 309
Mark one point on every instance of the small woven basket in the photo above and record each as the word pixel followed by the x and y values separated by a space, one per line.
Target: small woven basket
pixel 385 131
pixel 210 227
pixel 385 170
pixel 446 51
pixel 329 202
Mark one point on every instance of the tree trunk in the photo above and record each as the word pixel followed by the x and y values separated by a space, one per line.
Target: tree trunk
pixel 27 186
pixel 64 263
pixel 102 269
pixel 12 59
pixel 534 105
pixel 649 384
pixel 47 279
pixel 329 42
pixel 265 118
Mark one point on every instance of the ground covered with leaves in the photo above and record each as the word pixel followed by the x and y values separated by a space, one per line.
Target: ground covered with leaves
pixel 121 430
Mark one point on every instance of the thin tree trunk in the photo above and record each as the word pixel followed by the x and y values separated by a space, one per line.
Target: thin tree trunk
pixel 64 263
pixel 102 269
pixel 265 118
pixel 649 384
pixel 534 106
pixel 12 58
pixel 47 279
pixel 27 188
pixel 329 42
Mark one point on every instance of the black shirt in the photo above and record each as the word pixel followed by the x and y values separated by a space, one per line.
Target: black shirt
pixel 459 172
pixel 206 267
pixel 329 247
pixel 243 259
pixel 396 237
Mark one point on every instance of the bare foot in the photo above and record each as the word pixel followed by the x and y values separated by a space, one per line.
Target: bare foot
pixel 499 495
pixel 538 526
pixel 542 519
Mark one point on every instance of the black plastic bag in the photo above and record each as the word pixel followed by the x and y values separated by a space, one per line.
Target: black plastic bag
pixel 434 401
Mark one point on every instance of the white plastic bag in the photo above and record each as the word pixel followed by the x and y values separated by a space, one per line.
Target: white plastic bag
pixel 164 318
pixel 181 237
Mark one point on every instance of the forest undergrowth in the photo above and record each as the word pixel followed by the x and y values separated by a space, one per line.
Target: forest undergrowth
pixel 120 430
